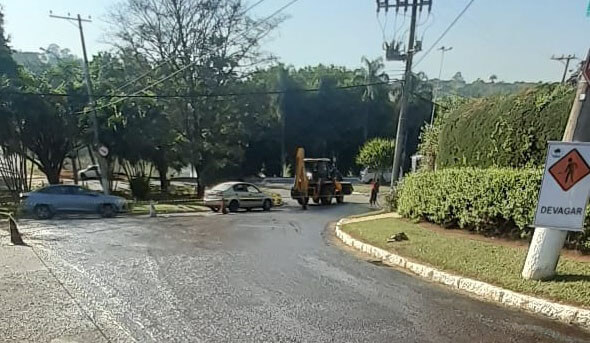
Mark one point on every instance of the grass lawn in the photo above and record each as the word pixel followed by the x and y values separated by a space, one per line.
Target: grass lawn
pixel 169 208
pixel 493 263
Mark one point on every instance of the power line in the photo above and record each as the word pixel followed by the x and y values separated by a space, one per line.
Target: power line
pixel 445 32
pixel 206 95
pixel 122 98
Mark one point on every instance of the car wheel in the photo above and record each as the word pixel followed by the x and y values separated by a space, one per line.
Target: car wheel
pixel 266 205
pixel 234 206
pixel 43 212
pixel 107 211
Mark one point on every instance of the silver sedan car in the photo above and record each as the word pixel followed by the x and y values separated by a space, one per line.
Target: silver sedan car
pixel 236 195
pixel 44 203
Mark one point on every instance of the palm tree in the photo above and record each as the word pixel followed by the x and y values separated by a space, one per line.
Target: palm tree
pixel 371 74
pixel 493 78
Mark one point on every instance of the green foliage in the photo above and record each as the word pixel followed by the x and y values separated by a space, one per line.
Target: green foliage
pixel 377 154
pixel 429 137
pixel 478 199
pixel 8 67
pixel 504 131
pixel 140 187
pixel 496 201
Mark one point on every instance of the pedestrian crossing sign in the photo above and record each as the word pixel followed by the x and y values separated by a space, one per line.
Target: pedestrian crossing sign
pixel 570 169
pixel 565 187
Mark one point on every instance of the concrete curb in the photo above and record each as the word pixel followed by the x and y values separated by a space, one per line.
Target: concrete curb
pixel 563 313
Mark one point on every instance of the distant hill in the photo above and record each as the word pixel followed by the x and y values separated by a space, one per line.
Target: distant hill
pixel 38 62
pixel 479 88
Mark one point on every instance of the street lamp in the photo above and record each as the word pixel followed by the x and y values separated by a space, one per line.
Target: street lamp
pixel 442 49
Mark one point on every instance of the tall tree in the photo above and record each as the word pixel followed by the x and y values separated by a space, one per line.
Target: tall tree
pixel 201 45
pixel 8 67
pixel 371 73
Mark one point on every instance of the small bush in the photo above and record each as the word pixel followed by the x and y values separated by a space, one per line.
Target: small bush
pixel 494 201
pixel 140 187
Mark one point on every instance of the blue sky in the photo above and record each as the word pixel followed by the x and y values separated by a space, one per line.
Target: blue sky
pixel 512 39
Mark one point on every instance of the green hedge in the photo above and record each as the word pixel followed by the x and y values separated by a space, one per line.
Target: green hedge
pixel 494 201
pixel 504 131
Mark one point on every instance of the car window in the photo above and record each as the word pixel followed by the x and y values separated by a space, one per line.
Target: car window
pixel 221 187
pixel 253 189
pixel 54 190
pixel 77 190
pixel 240 188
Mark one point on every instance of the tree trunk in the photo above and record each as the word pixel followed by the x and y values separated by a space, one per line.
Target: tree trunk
pixel 164 183
pixel 74 169
pixel 52 175
pixel 91 154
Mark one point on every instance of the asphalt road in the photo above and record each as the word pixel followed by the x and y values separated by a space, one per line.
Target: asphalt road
pixel 259 277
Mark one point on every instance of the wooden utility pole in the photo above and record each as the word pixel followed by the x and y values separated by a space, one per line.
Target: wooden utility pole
pixel 400 137
pixel 567 60
pixel 547 243
pixel 103 165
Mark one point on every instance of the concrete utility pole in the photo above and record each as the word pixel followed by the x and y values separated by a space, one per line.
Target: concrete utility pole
pixel 103 165
pixel 567 60
pixel 546 244
pixel 400 137
pixel 442 49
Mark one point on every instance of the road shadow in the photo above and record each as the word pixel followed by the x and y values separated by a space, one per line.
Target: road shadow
pixel 571 278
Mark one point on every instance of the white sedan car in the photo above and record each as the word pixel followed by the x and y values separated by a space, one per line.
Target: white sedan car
pixel 236 195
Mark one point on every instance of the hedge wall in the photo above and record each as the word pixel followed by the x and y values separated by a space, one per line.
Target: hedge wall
pixel 495 201
pixel 504 131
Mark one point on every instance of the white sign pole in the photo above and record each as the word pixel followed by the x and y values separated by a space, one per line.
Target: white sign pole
pixel 546 245
pixel 561 207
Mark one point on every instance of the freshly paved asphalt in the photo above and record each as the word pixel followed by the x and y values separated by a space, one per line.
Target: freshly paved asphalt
pixel 259 277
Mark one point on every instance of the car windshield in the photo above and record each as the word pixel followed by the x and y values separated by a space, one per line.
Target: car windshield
pixel 222 187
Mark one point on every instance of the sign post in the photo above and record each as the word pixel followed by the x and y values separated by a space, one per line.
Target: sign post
pixel 562 204
pixel 586 67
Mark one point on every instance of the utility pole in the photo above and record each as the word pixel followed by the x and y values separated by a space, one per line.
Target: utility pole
pixel 442 49
pixel 567 60
pixel 546 244
pixel 103 164
pixel 400 137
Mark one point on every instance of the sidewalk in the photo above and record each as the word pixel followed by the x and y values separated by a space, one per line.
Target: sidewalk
pixel 35 307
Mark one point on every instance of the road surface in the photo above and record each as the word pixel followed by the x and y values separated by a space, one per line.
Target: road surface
pixel 259 277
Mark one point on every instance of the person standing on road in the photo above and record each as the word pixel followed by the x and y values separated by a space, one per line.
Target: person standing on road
pixel 374 193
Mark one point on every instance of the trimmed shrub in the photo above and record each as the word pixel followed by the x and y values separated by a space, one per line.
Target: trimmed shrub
pixel 503 131
pixel 478 199
pixel 494 201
